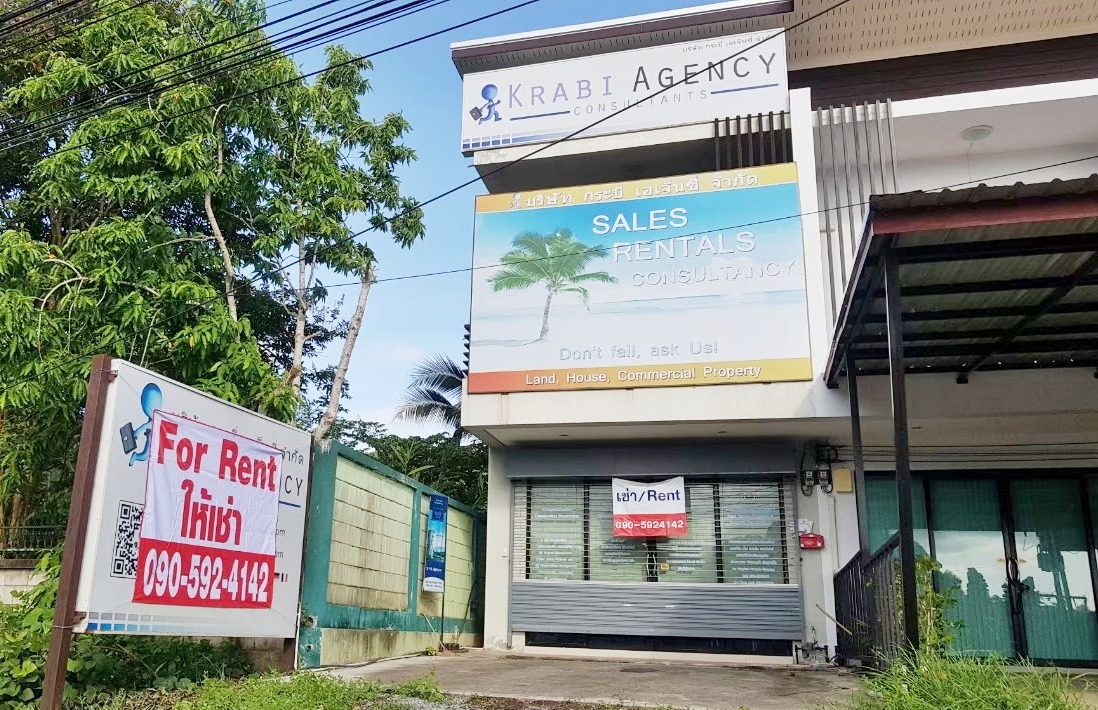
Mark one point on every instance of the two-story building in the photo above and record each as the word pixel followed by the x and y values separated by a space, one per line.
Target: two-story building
pixel 713 235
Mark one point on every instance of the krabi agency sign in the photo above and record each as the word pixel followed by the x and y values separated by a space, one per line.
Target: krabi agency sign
pixel 210 521
pixel 649 509
pixel 723 76
pixel 692 280
pixel 197 515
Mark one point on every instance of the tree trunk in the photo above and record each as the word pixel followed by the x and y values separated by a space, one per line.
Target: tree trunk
pixel 545 316
pixel 302 313
pixel 329 417
pixel 226 256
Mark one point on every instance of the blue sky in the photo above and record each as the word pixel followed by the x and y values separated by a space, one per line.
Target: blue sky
pixel 409 319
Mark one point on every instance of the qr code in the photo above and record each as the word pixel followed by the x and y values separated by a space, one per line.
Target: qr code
pixel 126 536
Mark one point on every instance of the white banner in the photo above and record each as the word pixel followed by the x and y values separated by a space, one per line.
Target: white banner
pixel 197 515
pixel 211 517
pixel 649 509
pixel 704 79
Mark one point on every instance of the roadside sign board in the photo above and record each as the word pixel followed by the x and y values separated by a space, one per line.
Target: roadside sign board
pixel 197 515
pixel 434 562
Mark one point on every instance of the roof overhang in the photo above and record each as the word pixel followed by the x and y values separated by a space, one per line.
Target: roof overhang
pixel 608 36
pixel 991 278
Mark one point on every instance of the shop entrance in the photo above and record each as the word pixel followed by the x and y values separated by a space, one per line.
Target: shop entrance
pixel 1017 554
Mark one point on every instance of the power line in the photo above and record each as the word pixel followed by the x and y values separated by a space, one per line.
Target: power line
pixel 507 165
pixel 38 126
pixel 742 225
pixel 31 21
pixel 29 45
pixel 200 304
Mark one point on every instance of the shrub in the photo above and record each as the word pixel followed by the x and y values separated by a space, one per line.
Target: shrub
pixel 98 665
pixel 939 681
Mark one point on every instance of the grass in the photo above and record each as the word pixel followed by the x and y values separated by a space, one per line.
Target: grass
pixel 938 681
pixel 303 691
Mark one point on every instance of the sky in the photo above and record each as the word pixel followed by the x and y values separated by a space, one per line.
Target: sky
pixel 409 319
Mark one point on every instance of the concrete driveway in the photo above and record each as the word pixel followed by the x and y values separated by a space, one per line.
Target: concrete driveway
pixel 684 685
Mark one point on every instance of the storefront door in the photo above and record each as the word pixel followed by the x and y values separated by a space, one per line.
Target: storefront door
pixel 1017 556
pixel 1050 570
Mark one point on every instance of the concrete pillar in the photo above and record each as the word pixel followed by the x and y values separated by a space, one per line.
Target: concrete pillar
pixel 815 263
pixel 497 573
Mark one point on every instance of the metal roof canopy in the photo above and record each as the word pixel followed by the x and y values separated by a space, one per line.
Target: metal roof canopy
pixel 957 281
pixel 990 278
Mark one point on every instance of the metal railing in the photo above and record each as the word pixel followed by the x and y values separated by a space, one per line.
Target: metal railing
pixel 867 606
pixel 30 540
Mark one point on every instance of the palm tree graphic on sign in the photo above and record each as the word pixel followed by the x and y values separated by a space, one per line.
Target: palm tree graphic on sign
pixel 555 260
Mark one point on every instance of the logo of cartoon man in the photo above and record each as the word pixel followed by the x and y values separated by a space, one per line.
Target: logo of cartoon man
pixel 487 112
pixel 151 400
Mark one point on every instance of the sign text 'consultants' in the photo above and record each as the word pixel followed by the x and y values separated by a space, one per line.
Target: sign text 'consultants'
pixel 670 85
pixel 692 280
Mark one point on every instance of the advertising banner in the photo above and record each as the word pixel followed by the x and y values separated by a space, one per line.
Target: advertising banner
pixel 649 509
pixel 692 280
pixel 211 515
pixel 723 76
pixel 434 562
pixel 197 515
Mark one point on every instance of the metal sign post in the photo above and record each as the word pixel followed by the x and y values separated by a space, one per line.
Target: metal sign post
pixel 72 557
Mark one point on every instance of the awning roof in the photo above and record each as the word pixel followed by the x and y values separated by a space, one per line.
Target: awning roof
pixel 991 278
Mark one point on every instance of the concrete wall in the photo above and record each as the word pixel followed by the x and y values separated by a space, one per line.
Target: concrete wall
pixel 362 595
pixel 16 576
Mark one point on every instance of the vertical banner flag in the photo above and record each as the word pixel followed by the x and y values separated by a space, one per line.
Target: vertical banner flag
pixel 434 564
pixel 210 520
pixel 649 509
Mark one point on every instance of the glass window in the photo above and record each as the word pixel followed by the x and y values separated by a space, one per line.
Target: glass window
pixel 880 494
pixel 692 557
pixel 555 532
pixel 968 542
pixel 613 559
pixel 753 532
pixel 737 533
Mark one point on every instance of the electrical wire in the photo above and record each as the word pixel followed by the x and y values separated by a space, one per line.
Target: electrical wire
pixel 38 125
pixel 27 46
pixel 547 146
pixel 31 21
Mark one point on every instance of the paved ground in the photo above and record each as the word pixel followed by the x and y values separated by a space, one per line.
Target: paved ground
pixel 720 687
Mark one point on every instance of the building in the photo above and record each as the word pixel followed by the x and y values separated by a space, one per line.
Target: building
pixel 685 288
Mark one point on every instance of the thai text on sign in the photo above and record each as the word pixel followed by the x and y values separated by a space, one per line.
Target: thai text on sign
pixel 649 509
pixel 210 521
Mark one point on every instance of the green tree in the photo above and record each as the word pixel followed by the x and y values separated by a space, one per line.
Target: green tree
pixel 434 395
pixel 137 230
pixel 458 470
pixel 556 261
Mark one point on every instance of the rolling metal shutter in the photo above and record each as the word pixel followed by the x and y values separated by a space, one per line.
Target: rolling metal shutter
pixel 735 574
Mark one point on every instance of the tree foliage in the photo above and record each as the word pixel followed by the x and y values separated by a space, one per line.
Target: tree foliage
pixel 434 394
pixel 162 231
pixel 458 470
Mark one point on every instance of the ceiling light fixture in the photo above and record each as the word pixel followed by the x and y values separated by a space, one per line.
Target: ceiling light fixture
pixel 972 134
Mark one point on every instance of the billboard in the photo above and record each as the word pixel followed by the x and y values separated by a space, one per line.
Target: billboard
pixel 197 515
pixel 543 102
pixel 649 509
pixel 691 280
pixel 434 562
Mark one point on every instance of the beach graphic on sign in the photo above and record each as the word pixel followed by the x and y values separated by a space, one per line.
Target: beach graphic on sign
pixel 691 280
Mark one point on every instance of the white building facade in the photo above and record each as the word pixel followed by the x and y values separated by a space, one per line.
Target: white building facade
pixel 659 295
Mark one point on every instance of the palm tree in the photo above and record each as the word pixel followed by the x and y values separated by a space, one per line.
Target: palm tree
pixel 556 260
pixel 434 394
